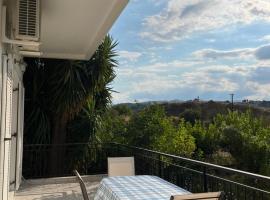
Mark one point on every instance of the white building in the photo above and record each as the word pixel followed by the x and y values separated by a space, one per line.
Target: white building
pixel 65 29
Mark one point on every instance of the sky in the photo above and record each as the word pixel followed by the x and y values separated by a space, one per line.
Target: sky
pixel 182 49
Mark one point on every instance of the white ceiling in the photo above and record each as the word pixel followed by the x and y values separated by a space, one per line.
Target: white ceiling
pixel 73 29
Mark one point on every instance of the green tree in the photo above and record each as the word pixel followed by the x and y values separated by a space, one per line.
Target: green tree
pixel 176 140
pixel 191 115
pixel 145 126
pixel 151 128
pixel 58 91
pixel 123 110
pixel 245 137
pixel 113 127
pixel 62 90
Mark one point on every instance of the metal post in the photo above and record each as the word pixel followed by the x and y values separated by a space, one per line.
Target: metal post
pixel 159 165
pixel 232 102
pixel 205 182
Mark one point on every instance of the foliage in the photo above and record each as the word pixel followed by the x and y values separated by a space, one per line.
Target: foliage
pixel 234 139
pixel 72 98
pixel 37 121
pixel 146 126
pixel 89 119
pixel 176 140
pixel 191 115
pixel 207 137
pixel 62 92
pixel 149 128
pixel 123 110
pixel 113 128
pixel 245 137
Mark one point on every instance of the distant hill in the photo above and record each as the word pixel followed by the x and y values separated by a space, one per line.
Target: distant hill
pixel 208 109
pixel 258 104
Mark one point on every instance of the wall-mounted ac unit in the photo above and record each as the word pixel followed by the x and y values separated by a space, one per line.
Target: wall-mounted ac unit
pixel 28 20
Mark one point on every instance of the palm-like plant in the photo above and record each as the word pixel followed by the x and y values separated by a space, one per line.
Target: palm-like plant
pixel 61 90
pixel 73 84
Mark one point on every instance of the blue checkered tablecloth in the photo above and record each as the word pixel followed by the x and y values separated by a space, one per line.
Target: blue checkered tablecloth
pixel 136 188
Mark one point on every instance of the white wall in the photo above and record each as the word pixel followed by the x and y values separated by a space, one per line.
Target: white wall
pixel 1 135
pixel 2 132
pixel 6 120
pixel 11 126
pixel 17 123
pixel 11 120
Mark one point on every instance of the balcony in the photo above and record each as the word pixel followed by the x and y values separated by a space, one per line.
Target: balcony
pixel 91 160
pixel 57 188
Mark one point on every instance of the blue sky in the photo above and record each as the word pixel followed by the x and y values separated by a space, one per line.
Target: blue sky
pixel 181 49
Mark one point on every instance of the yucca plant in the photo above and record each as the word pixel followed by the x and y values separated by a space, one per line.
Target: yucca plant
pixel 60 91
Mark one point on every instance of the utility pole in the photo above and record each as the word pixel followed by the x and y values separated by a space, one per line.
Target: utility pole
pixel 232 95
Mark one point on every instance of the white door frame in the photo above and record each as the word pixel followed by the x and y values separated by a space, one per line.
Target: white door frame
pixel 6 98
pixel 8 68
pixel 20 135
pixel 14 131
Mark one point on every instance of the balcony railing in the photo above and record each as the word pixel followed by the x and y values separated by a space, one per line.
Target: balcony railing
pixel 193 175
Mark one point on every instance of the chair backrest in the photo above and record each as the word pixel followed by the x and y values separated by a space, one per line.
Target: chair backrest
pixel 198 196
pixel 82 185
pixel 121 166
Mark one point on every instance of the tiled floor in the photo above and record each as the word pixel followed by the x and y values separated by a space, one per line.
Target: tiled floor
pixel 57 189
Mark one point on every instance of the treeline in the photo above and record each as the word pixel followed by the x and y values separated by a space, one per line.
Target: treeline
pixel 233 139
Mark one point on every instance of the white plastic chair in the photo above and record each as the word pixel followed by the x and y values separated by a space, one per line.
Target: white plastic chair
pixel 121 166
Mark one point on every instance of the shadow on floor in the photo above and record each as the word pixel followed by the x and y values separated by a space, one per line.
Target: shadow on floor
pixel 60 190
pixel 65 196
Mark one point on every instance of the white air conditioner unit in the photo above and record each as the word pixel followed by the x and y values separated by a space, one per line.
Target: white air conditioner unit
pixel 28 20
pixel 27 28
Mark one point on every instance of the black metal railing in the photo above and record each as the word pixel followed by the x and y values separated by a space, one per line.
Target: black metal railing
pixel 86 158
pixel 197 176
pixel 193 175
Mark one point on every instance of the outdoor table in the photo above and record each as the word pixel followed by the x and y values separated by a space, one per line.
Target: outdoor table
pixel 137 188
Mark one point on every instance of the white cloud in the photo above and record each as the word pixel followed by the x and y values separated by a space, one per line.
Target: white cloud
pixel 160 48
pixel 121 97
pixel 258 91
pixel 263 52
pixel 155 86
pixel 202 81
pixel 181 18
pixel 168 66
pixel 156 67
pixel 189 78
pixel 229 70
pixel 216 54
pixel 130 55
pixel 157 2
pixel 214 78
pixel 260 53
pixel 210 40
pixel 207 82
pixel 193 81
pixel 265 38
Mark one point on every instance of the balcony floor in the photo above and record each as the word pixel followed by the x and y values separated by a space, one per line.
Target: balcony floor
pixel 66 188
